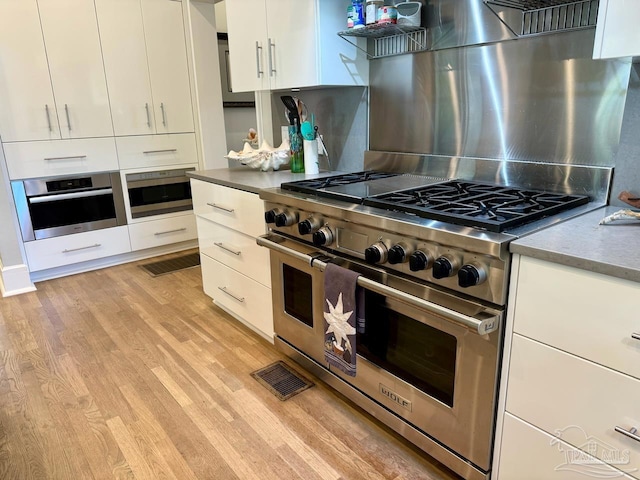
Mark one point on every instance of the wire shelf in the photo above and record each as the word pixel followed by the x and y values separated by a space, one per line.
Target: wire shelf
pixel 544 16
pixel 388 39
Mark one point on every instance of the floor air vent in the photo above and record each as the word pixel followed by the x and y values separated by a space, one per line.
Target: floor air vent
pixel 281 380
pixel 172 265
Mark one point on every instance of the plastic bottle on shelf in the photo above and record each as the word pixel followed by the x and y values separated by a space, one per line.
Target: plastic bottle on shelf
pixel 357 13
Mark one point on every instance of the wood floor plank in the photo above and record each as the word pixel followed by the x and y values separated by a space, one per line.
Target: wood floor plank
pixel 113 374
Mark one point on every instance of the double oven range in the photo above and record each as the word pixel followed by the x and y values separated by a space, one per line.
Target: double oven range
pixel 434 263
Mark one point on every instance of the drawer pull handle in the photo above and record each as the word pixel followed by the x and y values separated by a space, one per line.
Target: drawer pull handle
pixel 223 247
pixel 635 336
pixel 69 250
pixel 631 433
pixel 171 231
pixel 220 207
pixel 168 150
pixel 224 290
pixel 70 157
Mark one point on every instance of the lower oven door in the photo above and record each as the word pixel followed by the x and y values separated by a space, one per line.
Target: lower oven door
pixel 424 354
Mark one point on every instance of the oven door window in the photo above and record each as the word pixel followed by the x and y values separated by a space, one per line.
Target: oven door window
pixel 298 299
pixel 153 194
pixel 71 211
pixel 419 354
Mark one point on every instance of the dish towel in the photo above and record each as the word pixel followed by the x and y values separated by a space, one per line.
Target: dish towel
pixel 343 313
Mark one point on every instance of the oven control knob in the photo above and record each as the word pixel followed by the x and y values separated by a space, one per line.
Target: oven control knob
pixel 286 218
pixel 376 253
pixel 270 215
pixel 444 267
pixel 398 254
pixel 419 261
pixel 309 225
pixel 323 237
pixel 471 275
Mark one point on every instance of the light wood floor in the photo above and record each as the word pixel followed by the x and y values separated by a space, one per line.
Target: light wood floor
pixel 115 374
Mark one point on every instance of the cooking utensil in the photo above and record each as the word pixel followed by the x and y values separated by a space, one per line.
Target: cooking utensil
pixel 324 147
pixel 292 109
pixel 307 131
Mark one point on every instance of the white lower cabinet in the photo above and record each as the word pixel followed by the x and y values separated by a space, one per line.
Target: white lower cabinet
pixel 570 399
pixel 164 231
pixel 529 453
pixel 235 270
pixel 240 295
pixel 79 247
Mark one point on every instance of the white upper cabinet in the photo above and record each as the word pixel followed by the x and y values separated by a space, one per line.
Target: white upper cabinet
pixel 279 44
pixel 145 60
pixel 617 31
pixel 50 49
pixel 75 61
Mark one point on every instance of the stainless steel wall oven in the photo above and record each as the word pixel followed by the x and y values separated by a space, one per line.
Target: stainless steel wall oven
pixel 159 192
pixel 54 206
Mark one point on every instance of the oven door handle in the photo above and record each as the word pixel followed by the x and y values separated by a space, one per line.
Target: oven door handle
pixel 67 196
pixel 479 326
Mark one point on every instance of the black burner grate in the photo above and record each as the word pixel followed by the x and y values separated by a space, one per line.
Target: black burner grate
pixel 491 207
pixel 313 185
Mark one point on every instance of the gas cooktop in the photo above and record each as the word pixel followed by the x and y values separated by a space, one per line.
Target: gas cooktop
pixel 473 204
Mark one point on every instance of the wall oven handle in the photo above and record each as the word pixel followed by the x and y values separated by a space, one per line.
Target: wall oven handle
pixel 224 290
pixel 69 250
pixel 69 157
pixel 631 433
pixel 224 247
pixel 69 196
pixel 482 327
pixel 220 207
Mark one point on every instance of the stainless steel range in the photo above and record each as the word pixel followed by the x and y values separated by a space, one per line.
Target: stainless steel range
pixel 433 256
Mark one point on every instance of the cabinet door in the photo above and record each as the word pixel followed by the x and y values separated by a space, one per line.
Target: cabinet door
pixel 125 61
pixel 617 32
pixel 247 30
pixel 292 43
pixel 75 61
pixel 27 108
pixel 168 68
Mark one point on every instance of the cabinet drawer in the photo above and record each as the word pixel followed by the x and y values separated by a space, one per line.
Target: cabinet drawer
pixel 79 247
pixel 247 299
pixel 559 392
pixel 60 157
pixel 236 209
pixel 156 150
pixel 236 250
pixel 155 233
pixel 528 453
pixel 590 316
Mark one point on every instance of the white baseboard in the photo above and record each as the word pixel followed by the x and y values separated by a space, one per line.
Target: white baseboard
pixel 15 280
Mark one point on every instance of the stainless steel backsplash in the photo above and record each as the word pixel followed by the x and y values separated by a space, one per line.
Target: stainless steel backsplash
pixel 540 99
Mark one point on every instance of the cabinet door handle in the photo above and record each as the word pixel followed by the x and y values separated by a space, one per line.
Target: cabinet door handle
pixel 230 250
pixel 635 336
pixel 258 71
pixel 171 231
pixel 220 207
pixel 272 47
pixel 164 117
pixel 46 109
pixel 631 433
pixel 68 250
pixel 146 107
pixel 224 290
pixel 70 157
pixel 168 150
pixel 66 111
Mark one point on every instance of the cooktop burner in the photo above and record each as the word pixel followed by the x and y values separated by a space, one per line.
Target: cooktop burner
pixel 491 207
pixel 315 185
